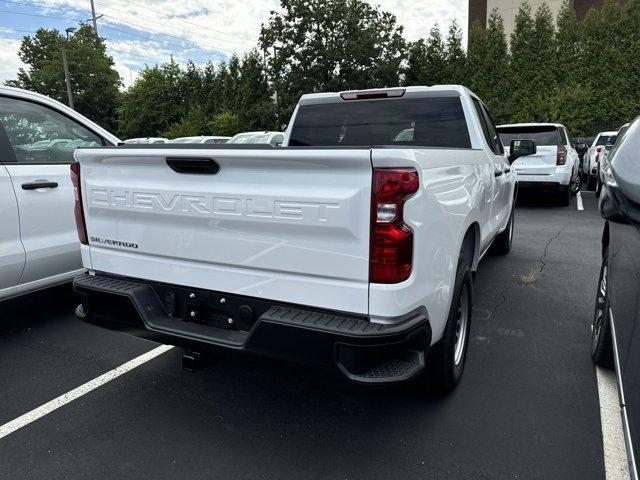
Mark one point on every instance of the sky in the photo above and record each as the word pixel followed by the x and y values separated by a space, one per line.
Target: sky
pixel 146 32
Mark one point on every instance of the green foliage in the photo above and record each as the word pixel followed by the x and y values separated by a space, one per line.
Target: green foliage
pixel 581 73
pixel 195 122
pixel 94 81
pixel 227 123
pixel 154 103
pixel 330 45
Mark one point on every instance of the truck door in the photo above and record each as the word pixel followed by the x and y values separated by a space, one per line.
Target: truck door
pixel 500 206
pixel 12 255
pixel 43 141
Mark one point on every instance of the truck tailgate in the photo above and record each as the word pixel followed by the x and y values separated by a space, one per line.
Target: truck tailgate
pixel 290 225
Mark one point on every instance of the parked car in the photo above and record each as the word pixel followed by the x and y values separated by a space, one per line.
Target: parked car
pixel 150 140
pixel 615 337
pixel 202 139
pixel 602 164
pixel 271 138
pixel 359 257
pixel 555 165
pixel 38 241
pixel 603 142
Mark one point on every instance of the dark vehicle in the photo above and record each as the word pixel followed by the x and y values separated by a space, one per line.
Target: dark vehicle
pixel 615 338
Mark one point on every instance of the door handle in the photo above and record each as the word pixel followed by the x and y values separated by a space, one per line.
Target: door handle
pixel 507 170
pixel 39 184
pixel 498 173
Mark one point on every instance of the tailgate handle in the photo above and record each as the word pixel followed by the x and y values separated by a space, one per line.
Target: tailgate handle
pixel 200 166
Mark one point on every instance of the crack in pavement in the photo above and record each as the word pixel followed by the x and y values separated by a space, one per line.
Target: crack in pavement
pixel 503 292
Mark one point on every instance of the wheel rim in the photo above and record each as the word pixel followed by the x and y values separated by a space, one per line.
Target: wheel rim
pixel 462 320
pixel 600 311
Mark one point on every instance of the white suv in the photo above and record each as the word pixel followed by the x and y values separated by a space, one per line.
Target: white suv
pixel 38 241
pixel 599 148
pixel 555 165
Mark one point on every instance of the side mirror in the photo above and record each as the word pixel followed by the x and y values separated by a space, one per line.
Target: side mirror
pixel 521 148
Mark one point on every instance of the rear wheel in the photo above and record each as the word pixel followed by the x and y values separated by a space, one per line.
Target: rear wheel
pixel 448 356
pixel 601 338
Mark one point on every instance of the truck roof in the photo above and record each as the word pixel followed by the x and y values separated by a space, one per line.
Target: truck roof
pixel 449 90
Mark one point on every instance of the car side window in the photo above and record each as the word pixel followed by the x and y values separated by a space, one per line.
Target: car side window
pixel 488 128
pixel 276 141
pixel 565 136
pixel 41 135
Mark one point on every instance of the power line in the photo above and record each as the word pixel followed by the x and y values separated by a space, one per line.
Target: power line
pixel 131 24
pixel 188 21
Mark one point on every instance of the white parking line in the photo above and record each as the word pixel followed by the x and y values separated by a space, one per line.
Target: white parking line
pixel 579 201
pixel 78 392
pixel 616 465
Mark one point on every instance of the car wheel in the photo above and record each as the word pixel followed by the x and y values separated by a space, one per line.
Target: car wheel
pixel 564 195
pixel 448 356
pixel 591 183
pixel 503 241
pixel 601 339
pixel 576 184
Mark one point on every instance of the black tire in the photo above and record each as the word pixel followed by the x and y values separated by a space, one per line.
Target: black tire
pixel 601 338
pixel 591 183
pixel 444 368
pixel 503 241
pixel 598 185
pixel 576 184
pixel 564 195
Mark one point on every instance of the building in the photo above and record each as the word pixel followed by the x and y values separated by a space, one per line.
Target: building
pixel 480 9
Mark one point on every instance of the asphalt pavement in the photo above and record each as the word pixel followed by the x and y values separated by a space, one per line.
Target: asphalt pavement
pixel 527 406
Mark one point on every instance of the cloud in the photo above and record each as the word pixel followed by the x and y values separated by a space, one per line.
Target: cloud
pixel 140 32
pixel 9 61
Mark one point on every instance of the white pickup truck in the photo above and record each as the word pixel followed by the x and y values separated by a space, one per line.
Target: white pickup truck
pixel 345 248
pixel 38 242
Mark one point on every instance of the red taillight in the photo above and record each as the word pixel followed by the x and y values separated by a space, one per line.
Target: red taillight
pixel 598 151
pixel 391 249
pixel 77 209
pixel 561 158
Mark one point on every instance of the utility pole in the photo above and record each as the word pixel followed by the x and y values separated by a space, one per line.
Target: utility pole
pixel 67 79
pixel 93 18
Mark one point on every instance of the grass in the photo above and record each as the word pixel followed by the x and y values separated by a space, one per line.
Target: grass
pixel 529 278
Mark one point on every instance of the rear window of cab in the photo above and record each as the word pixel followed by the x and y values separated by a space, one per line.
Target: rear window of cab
pixel 426 122
pixel 542 135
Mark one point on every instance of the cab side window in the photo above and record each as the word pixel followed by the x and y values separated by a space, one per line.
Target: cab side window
pixel 488 128
pixel 41 135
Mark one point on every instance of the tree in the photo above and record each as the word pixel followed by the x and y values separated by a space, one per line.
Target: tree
pixel 226 123
pixel 455 58
pixel 153 103
pixel 94 81
pixel 568 45
pixel 194 122
pixel 427 63
pixel 318 45
pixel 533 63
pixel 488 70
pixel 254 106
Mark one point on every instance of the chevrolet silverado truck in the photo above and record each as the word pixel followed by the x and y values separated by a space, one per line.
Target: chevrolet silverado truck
pixel 351 246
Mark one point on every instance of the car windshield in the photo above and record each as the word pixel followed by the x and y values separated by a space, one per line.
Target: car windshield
pixel 430 122
pixel 606 140
pixel 250 138
pixel 543 135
